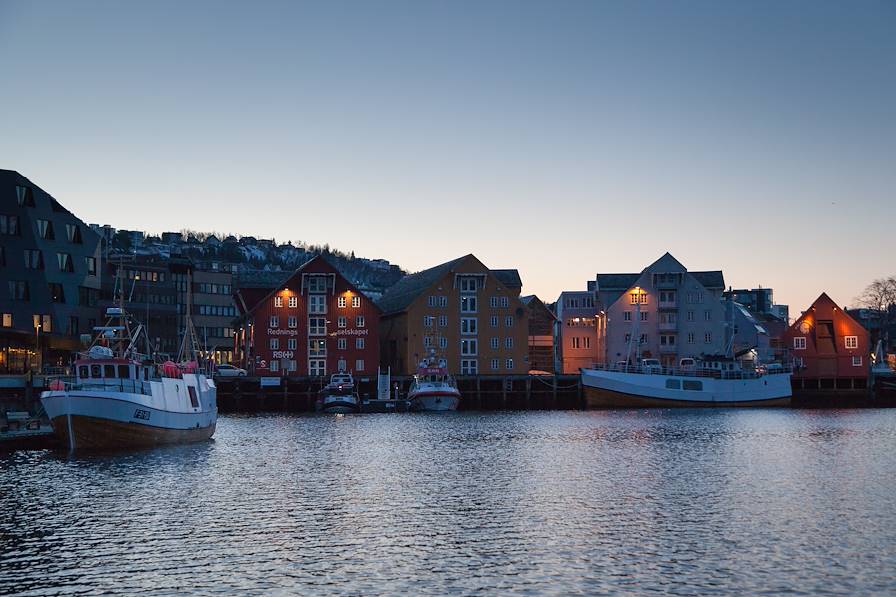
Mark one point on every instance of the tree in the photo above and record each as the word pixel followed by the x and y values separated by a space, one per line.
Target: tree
pixel 880 298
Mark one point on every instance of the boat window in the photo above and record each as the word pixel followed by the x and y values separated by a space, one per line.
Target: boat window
pixel 83 371
pixel 194 401
pixel 673 384
pixel 109 371
pixel 124 371
pixel 96 371
pixel 693 385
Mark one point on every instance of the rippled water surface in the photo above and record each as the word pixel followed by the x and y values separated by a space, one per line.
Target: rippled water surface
pixel 728 501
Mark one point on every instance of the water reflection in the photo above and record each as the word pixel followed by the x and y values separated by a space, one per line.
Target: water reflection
pixel 664 501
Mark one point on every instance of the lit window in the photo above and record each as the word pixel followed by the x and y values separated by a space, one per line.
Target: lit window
pixel 278 301
pixel 293 302
pixel 852 342
pixel 799 343
pixel 7 320
pixel 340 302
pixel 356 302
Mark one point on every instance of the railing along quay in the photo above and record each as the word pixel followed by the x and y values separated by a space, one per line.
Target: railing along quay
pixel 482 392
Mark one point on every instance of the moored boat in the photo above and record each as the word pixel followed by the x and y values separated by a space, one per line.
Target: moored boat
pixel 433 388
pixel 715 382
pixel 339 395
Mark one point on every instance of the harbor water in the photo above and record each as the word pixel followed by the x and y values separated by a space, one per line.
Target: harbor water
pixel 681 502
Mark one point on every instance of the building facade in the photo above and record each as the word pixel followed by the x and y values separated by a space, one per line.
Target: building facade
pixel 830 349
pixel 580 331
pixel 665 312
pixel 316 323
pixel 50 267
pixel 468 314
pixel 542 324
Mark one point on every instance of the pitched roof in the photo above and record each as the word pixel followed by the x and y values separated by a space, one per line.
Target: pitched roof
pixel 400 296
pixel 711 279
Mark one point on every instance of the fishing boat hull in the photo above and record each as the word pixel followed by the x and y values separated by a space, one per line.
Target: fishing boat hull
pixel 435 401
pixel 339 405
pixel 119 420
pixel 611 389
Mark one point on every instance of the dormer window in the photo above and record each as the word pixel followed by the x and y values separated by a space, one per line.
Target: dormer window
pixel 469 284
pixel 317 283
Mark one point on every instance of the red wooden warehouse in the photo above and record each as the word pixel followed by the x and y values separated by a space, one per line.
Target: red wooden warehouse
pixel 314 324
pixel 830 349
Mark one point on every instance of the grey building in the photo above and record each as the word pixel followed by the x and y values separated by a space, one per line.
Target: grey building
pixel 50 265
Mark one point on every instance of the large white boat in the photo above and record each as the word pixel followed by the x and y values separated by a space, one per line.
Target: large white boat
pixel 339 395
pixel 118 398
pixel 433 387
pixel 710 382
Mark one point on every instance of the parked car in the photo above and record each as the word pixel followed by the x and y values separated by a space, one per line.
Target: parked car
pixel 687 364
pixel 651 366
pixel 231 371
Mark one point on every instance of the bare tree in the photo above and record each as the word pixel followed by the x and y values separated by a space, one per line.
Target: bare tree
pixel 880 298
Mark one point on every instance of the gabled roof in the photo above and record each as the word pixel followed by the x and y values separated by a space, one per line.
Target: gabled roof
pixel 400 296
pixel 533 302
pixel 711 279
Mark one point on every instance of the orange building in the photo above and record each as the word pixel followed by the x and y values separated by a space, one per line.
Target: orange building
pixel 467 313
pixel 830 349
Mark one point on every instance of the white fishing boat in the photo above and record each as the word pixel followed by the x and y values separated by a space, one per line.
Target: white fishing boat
pixel 711 382
pixel 433 387
pixel 119 398
pixel 339 395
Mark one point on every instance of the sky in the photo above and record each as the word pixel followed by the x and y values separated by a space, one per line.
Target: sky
pixel 559 138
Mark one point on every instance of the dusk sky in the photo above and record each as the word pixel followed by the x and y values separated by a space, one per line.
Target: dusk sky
pixel 559 138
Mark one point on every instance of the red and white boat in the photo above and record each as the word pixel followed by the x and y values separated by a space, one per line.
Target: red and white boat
pixel 433 388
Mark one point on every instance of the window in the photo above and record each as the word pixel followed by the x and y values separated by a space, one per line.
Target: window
pixel 292 344
pixel 289 365
pixel 7 320
pixel 575 342
pixel 356 304
pixel 317 347
pixel 443 342
pixel 317 283
pixel 493 321
pixel 509 364
pixel 47 323
pixel 468 303
pixel 278 301
pixel 90 262
pixel 9 225
pixel 427 341
pixel 799 343
pixel 673 384
pixel 852 342
pixel 508 342
pixel 493 302
pixel 73 232
pixel 857 361
pixel 469 284
pixel 45 229
pixel 317 303
pixel 690 316
pixel 496 343
pixel 638 297
pixel 292 321
pixel 469 367
pixel 57 293
pixel 707 338
pixel 33 259
pixel 443 321
pixel 88 297
pixel 666 340
pixel 468 326
pixel 627 316
pixel 293 302
pixel 342 321
pixel 707 315
pixel 508 321
pixel 274 322
pixel 644 315
pixel 341 365
pixel 469 347
pixel 317 367
pixel 505 301
pixel 359 365
pixel 19 291
pixel 275 344
pixel 275 365
pixel 359 321
pixel 359 343
pixel 693 385
pixel 24 196
pixel 429 321
pixel 317 326
pixel 586 341
pixel 496 364
pixel 700 301
pixel 432 301
pixel 443 301
pixel 341 343
pixel 340 302
pixel 691 338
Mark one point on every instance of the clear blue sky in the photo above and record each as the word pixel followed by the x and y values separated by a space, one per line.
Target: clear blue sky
pixel 560 138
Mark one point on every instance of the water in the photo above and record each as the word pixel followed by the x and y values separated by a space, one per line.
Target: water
pixel 688 502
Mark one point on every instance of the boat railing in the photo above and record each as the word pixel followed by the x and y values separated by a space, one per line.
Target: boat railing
pixel 695 371
pixel 70 383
